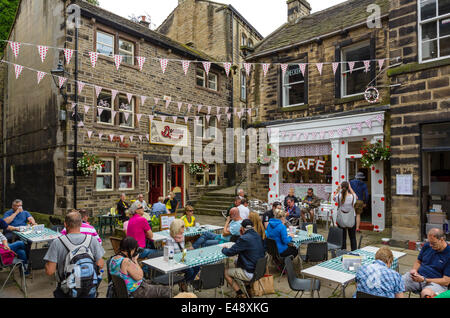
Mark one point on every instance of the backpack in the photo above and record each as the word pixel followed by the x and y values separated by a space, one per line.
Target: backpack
pixel 80 278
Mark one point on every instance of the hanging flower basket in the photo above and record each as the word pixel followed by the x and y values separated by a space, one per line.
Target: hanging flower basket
pixel 265 160
pixel 88 164
pixel 374 153
pixel 195 168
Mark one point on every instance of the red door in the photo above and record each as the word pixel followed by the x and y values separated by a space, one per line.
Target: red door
pixel 177 183
pixel 156 180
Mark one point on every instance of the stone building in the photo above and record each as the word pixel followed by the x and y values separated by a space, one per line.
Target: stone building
pixel 222 32
pixel 39 123
pixel 419 33
pixel 323 120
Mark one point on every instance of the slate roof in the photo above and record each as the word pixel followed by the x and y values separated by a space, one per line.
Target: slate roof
pixel 336 18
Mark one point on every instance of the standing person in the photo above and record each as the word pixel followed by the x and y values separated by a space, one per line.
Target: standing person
pixel 159 207
pixel 122 207
pixel 270 214
pixel 56 258
pixel 171 203
pixel 244 211
pixel 312 202
pixel 378 278
pixel 362 192
pixel 16 217
pixel 86 228
pixel 277 231
pixel 18 247
pixel 125 265
pixel 250 249
pixel 291 195
pixel 140 230
pixel 430 274
pixel 346 216
pixel 188 216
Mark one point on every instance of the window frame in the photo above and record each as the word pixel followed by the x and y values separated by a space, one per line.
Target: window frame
pixel 132 173
pixel 343 82
pixel 420 24
pixel 112 174
pixel 283 85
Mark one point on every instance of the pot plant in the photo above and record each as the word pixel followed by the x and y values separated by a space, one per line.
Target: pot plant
pixel 373 153
pixel 88 164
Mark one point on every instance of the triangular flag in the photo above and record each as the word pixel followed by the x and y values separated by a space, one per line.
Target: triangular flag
pixel 98 90
pixel 248 68
pixel 185 65
pixel 156 100
pixel 90 134
pixel 40 76
pixel 335 67
pixel 180 104
pixel 86 109
pixel 139 116
pixel 174 119
pixel 42 52
pixel 129 96
pixel 100 135
pixel 163 63
pixel 380 64
pixel 143 99
pixel 351 66
pixel 94 58
pixel 18 70
pixel 62 80
pixel 207 66
pixel 118 60
pixel 80 85
pixel 367 66
pixel 141 61
pixel 284 68
pixel 68 53
pixel 227 67
pixel 15 46
pixel 266 68
pixel 303 68
pixel 319 67
pixel 114 93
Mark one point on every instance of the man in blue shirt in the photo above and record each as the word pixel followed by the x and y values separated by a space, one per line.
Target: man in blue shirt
pixel 17 217
pixel 430 274
pixel 159 207
pixel 362 192
pixel 378 278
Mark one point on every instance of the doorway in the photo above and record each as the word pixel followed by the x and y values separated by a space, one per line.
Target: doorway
pixel 156 180
pixel 177 183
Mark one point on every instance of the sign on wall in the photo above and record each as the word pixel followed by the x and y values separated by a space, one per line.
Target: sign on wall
pixel 168 134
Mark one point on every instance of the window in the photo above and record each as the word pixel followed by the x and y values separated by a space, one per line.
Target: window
pixel 212 81
pixel 105 44
pixel 126 49
pixel 243 86
pixel 105 106
pixel 126 112
pixel 105 176
pixel 210 131
pixel 434 29
pixel 209 81
pixel 355 83
pixel 126 174
pixel 293 87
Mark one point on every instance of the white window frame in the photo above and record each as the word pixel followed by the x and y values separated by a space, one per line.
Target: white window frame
pixel 131 112
pixel 127 174
pixel 420 23
pixel 105 44
pixel 215 81
pixel 346 70
pixel 203 77
pixel 105 108
pixel 285 86
pixel 99 173
pixel 243 85
pixel 125 52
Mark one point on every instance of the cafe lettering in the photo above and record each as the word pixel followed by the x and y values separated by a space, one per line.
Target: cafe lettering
pixel 307 164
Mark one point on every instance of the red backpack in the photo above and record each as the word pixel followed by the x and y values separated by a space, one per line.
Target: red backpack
pixel 6 255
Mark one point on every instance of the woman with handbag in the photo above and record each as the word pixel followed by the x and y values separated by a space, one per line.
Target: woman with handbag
pixel 346 215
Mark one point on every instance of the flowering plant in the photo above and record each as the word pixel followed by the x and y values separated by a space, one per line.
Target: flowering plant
pixel 195 168
pixel 271 155
pixel 88 164
pixel 373 153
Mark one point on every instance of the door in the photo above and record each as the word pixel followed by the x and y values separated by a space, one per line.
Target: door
pixel 156 180
pixel 177 183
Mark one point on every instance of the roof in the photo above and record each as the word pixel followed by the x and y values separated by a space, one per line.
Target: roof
pixel 306 28
pixel 119 23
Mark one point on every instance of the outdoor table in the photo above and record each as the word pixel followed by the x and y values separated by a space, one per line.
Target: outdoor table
pixel 106 220
pixel 302 237
pixel 333 270
pixel 202 256
pixel 188 232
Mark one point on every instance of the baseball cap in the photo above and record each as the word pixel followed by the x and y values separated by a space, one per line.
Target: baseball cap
pixel 3 225
pixel 247 224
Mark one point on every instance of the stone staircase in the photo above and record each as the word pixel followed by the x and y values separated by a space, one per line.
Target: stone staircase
pixel 213 203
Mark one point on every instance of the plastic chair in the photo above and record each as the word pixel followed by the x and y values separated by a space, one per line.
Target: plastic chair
pixel 259 273
pixel 316 252
pixel 211 276
pixel 334 240
pixel 300 285
pixel 15 264
pixel 360 294
pixel 272 250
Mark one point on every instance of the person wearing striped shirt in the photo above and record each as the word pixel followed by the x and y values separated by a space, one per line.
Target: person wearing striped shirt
pixel 86 228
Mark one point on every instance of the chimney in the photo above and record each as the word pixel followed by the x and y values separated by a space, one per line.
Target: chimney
pixel 144 22
pixel 297 9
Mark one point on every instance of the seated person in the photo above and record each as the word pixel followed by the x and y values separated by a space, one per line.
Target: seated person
pixel 250 249
pixel 139 229
pixel 176 240
pixel 277 231
pixel 378 278
pixel 86 228
pixel 244 211
pixel 270 214
pixel 159 208
pixel 125 265
pixel 291 195
pixel 292 211
pixel 188 216
pixel 122 207
pixel 430 274
pixel 18 247
pixel 312 202
pixel 231 228
pixel 16 217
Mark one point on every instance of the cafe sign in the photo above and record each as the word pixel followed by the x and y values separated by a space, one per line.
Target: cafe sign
pixel 168 134
pixel 306 164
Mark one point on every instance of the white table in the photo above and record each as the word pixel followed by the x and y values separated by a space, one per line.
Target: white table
pixel 341 278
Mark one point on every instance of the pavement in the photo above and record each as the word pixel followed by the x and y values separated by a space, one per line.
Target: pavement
pixel 42 286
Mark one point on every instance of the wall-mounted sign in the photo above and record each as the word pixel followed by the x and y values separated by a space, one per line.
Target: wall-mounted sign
pixel 168 134
pixel 307 164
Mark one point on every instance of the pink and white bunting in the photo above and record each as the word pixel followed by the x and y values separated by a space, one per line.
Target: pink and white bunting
pixel 248 68
pixel 207 66
pixel 163 63
pixel 335 67
pixel 265 68
pixel 94 58
pixel 98 90
pixel 141 61
pixel 351 66
pixel 40 76
pixel 68 53
pixel 15 47
pixel 42 52
pixel 284 68
pixel 185 65
pixel 303 68
pixel 227 67
pixel 18 69
pixel 61 81
pixel 118 61
pixel 80 85
pixel 319 67
pixel 367 66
